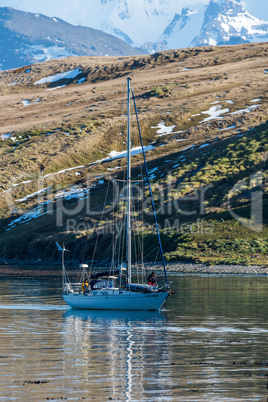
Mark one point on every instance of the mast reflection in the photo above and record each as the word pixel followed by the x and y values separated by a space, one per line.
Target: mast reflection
pixel 115 352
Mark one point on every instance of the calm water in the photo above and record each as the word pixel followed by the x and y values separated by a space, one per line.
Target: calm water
pixel 209 343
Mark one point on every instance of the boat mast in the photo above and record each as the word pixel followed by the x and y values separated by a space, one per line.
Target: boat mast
pixel 150 189
pixel 128 243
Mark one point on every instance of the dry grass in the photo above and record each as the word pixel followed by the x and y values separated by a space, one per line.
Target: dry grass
pixel 79 124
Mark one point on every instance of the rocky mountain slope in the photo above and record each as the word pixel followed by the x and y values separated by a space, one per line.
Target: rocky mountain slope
pixel 27 38
pixel 203 114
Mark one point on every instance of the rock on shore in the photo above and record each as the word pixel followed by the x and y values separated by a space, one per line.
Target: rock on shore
pixel 186 268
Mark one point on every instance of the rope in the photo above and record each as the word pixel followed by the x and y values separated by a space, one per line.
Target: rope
pixel 98 233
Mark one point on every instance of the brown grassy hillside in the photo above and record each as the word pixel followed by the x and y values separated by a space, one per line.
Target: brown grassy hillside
pixel 72 123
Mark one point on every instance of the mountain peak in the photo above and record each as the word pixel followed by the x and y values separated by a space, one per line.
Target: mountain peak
pixel 153 25
pixel 227 22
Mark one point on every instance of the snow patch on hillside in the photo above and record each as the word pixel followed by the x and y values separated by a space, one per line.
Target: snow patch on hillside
pixel 163 129
pixel 8 136
pixel 27 102
pixel 33 195
pixel 214 112
pixel 67 75
pixel 53 89
pixel 123 154
pixel 246 110
pixel 43 53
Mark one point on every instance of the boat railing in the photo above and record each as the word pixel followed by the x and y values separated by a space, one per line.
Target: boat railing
pixel 164 286
pixel 77 288
pixel 72 287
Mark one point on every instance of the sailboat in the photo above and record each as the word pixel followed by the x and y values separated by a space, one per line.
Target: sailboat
pixel 114 289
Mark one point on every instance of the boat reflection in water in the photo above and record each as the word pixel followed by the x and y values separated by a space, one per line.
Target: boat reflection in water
pixel 115 349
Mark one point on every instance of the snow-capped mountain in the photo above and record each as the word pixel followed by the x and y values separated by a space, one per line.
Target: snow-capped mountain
pixel 227 22
pixel 220 22
pixel 152 25
pixel 163 24
pixel 27 38
pixel 183 28
pixel 135 21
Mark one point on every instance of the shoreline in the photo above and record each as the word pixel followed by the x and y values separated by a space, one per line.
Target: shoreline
pixel 217 269
pixel 32 271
